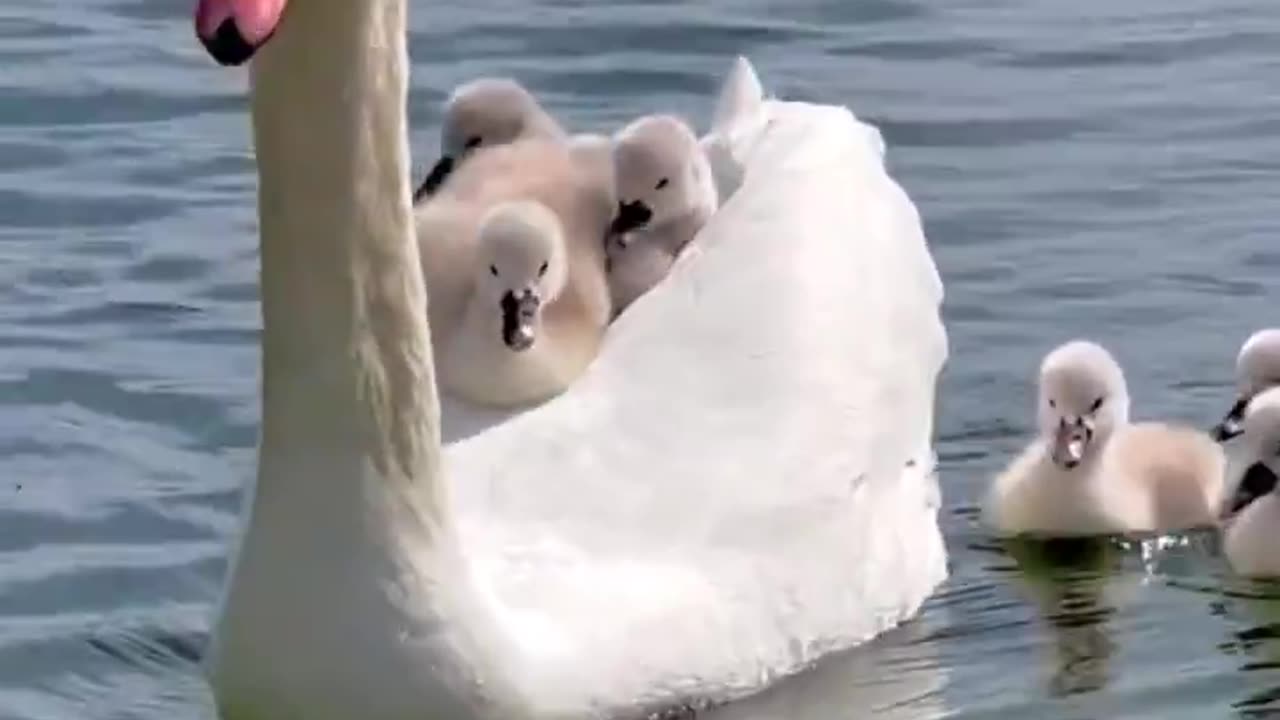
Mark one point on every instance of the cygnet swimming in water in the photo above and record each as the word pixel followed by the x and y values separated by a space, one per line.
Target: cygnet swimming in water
pixel 1252 538
pixel 483 113
pixel 512 254
pixel 666 193
pixel 1257 369
pixel 1091 472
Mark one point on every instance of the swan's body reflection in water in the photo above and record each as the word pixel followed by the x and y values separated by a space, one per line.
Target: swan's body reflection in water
pixel 1081 599
pixel 898 676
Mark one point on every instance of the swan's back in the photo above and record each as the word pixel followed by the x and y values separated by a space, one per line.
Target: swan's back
pixel 742 481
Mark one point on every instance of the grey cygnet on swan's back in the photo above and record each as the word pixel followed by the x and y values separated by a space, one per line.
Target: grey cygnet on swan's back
pixel 569 326
pixel 485 113
pixel 666 193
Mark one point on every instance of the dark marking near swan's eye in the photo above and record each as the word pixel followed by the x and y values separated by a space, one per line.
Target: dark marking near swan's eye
pixel 472 142
pixel 493 270
pixel 542 270
pixel 1096 404
pixel 1052 404
pixel 661 184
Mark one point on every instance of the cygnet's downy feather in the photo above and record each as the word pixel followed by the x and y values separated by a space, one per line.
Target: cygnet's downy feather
pixel 457 233
pixel 485 113
pixel 1257 369
pixel 1091 472
pixel 1252 543
pixel 666 193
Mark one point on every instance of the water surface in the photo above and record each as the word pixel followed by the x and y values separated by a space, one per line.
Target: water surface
pixel 1107 169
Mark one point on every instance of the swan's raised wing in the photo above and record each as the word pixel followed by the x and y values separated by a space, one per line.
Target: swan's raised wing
pixel 738 123
pixel 742 482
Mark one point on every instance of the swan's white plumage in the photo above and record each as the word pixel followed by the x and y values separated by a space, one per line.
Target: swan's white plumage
pixel 742 483
pixel 725 496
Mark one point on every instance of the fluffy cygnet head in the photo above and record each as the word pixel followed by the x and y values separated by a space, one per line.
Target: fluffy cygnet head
pixel 521 267
pixel 485 113
pixel 1260 427
pixel 1083 399
pixel 1257 369
pixel 660 173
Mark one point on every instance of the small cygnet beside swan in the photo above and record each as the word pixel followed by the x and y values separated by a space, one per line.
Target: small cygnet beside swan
pixel 666 193
pixel 484 113
pixel 1257 369
pixel 1091 472
pixel 1252 543
pixel 512 251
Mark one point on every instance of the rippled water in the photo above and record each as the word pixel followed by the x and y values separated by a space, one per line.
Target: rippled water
pixel 1099 168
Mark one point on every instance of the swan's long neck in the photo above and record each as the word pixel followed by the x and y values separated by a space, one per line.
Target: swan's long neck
pixel 348 596
pixel 347 367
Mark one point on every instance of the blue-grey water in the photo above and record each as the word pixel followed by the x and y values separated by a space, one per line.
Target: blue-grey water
pixel 1109 169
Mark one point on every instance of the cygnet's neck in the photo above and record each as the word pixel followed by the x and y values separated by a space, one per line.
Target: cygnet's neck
pixel 542 125
pixel 478 367
pixel 674 233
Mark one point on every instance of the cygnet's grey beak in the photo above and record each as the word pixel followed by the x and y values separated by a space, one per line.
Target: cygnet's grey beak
pixel 1258 480
pixel 1070 442
pixel 1232 424
pixel 631 215
pixel 518 316
pixel 439 173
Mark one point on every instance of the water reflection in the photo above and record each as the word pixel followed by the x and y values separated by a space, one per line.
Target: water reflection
pixel 1073 585
pixel 898 676
pixel 1257 643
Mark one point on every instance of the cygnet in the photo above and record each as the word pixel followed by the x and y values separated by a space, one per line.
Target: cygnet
pixel 1257 369
pixel 1252 542
pixel 666 193
pixel 483 113
pixel 1091 472
pixel 516 292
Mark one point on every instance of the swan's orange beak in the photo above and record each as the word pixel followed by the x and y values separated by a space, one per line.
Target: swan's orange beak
pixel 233 30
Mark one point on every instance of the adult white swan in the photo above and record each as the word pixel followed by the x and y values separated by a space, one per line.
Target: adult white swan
pixel 740 484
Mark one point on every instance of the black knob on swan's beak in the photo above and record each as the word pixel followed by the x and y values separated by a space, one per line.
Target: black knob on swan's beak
pixel 227 45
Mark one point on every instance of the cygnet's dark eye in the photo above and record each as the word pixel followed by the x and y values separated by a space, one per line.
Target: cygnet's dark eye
pixel 542 270
pixel 661 184
pixel 1096 404
pixel 472 142
pixel 493 270
pixel 1053 404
